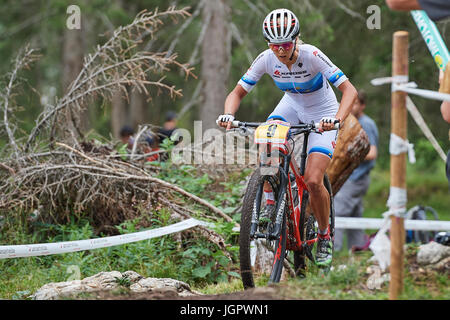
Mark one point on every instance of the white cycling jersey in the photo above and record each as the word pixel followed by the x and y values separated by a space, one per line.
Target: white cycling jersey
pixel 308 95
pixel 306 82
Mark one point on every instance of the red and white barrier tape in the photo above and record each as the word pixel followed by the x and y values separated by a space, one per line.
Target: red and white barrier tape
pixel 43 249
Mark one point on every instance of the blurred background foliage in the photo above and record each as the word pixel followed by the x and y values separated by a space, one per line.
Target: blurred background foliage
pixel 338 28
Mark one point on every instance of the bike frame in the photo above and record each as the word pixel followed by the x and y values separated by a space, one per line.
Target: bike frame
pixel 288 162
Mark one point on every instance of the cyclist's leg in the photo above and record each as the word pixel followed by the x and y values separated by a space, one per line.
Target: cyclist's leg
pixel 285 111
pixel 320 151
pixel 320 202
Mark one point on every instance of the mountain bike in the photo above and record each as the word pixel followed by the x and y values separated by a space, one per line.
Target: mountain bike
pixel 293 226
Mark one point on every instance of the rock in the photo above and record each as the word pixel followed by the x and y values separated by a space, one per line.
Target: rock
pixel 110 280
pixel 372 269
pixel 443 265
pixel 432 253
pixel 103 280
pixel 132 276
pixel 262 259
pixel 377 278
pixel 149 284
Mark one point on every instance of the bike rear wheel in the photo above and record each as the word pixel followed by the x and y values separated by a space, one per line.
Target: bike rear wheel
pixel 308 229
pixel 277 247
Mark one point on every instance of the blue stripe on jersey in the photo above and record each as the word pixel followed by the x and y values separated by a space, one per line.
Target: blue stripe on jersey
pixel 336 76
pixel 250 82
pixel 325 151
pixel 276 117
pixel 312 85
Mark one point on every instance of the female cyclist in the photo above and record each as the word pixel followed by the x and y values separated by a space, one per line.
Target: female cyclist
pixel 302 71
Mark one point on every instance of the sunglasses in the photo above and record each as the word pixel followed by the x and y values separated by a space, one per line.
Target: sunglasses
pixel 286 46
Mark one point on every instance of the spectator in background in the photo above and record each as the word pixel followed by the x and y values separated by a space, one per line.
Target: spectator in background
pixel 150 145
pixel 445 112
pixel 435 9
pixel 169 126
pixel 349 200
pixel 126 136
pixel 445 106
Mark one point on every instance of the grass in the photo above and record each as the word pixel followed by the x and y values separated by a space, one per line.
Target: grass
pixel 427 187
pixel 350 283
pixel 204 267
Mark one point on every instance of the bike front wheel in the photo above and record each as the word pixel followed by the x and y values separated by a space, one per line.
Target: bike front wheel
pixel 259 257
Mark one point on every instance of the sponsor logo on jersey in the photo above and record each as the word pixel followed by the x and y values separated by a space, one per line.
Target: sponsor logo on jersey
pixel 277 73
pixel 300 65
pixel 333 144
pixel 317 54
pixel 291 73
pixel 324 60
pixel 257 58
pixel 277 66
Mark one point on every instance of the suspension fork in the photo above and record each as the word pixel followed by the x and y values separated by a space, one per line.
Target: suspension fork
pixel 256 210
pixel 303 155
pixel 281 204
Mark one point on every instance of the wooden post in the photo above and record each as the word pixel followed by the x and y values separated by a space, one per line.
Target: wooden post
pixel 398 162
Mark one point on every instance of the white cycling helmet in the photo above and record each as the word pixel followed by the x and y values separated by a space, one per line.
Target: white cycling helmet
pixel 280 25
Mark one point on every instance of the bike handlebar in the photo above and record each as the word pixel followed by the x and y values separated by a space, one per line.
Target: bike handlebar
pixel 311 126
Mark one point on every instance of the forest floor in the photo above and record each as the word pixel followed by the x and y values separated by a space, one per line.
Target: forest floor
pixel 348 280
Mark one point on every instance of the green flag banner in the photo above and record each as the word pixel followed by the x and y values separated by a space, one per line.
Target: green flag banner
pixel 432 38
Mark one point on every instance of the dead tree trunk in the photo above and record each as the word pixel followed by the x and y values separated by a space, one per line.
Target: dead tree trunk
pixel 216 52
pixel 72 60
pixel 119 113
pixel 351 148
pixel 138 108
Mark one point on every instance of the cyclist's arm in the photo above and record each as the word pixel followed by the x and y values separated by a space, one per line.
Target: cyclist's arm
pixel 349 94
pixel 232 102
pixel 445 111
pixel 324 65
pixel 372 155
pixel 403 5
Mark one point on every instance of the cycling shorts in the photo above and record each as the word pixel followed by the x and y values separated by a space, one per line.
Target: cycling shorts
pixel 291 111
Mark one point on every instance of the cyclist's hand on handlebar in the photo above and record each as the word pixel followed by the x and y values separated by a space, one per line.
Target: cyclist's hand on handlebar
pixel 225 121
pixel 327 123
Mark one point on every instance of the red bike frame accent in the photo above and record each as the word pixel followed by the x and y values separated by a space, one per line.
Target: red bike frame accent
pixel 294 212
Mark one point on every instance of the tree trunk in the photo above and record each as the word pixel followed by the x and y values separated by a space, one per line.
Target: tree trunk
pixel 216 52
pixel 352 147
pixel 119 113
pixel 138 108
pixel 73 53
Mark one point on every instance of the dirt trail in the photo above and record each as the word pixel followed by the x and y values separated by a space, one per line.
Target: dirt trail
pixel 263 293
